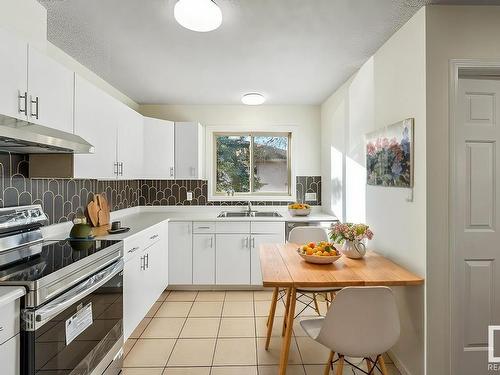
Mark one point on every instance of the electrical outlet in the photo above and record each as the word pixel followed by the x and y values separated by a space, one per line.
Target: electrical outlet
pixel 189 195
pixel 310 197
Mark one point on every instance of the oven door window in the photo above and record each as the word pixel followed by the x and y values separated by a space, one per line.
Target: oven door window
pixel 52 353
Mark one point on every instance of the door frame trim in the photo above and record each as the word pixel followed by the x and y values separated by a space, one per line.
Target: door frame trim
pixel 455 66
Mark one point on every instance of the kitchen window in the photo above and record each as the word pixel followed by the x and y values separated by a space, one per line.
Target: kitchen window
pixel 252 164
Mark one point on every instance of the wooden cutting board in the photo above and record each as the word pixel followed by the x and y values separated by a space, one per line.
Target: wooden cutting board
pixel 104 215
pixel 93 211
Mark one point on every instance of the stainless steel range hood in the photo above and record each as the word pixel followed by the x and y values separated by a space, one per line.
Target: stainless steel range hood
pixel 23 137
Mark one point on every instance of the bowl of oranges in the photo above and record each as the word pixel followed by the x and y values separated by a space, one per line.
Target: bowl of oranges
pixel 299 209
pixel 319 252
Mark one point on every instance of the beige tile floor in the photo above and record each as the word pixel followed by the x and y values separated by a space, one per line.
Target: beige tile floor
pixel 219 333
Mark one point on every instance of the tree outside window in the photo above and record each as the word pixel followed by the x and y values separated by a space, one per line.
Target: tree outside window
pixel 252 163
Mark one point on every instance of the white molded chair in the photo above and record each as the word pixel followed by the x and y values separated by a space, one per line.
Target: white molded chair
pixel 362 322
pixel 301 235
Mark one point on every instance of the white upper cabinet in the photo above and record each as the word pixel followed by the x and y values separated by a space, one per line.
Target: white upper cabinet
pixel 129 142
pixel 95 121
pixel 158 149
pixel 50 92
pixel 13 78
pixel 189 151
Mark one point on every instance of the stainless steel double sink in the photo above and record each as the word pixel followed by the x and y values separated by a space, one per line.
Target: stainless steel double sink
pixel 250 214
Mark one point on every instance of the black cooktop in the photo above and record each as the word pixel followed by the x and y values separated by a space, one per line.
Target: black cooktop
pixel 31 263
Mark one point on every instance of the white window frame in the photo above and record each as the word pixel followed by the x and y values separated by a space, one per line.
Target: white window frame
pixel 211 131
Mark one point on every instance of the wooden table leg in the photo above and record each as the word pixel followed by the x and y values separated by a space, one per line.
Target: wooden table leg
pixel 270 318
pixel 287 307
pixel 285 346
pixel 275 299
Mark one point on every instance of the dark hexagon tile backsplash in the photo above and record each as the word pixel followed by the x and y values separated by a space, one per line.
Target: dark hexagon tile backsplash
pixel 63 198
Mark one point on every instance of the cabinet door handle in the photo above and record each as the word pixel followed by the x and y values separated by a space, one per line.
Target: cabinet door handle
pixel 1 328
pixel 115 169
pixel 153 237
pixel 36 103
pixel 211 242
pixel 134 249
pixel 120 165
pixel 22 98
pixel 253 242
pixel 146 261
pixel 246 242
pixel 142 263
pixel 171 171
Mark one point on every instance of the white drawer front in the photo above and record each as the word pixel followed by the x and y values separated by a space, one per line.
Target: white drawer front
pixel 232 227
pixel 153 235
pixel 133 246
pixel 9 320
pixel 266 227
pixel 203 227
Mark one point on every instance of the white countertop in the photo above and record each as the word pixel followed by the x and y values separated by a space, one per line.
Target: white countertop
pixel 141 218
pixel 9 294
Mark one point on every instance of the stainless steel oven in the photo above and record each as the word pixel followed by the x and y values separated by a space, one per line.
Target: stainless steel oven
pixel 80 332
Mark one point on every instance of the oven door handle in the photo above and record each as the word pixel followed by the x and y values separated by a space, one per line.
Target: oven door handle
pixel 82 290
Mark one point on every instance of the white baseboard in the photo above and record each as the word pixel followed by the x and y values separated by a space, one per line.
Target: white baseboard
pixel 399 365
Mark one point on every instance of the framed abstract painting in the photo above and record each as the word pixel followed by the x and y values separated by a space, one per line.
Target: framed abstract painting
pixel 389 155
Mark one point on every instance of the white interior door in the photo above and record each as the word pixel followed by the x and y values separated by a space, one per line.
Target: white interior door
pixel 475 243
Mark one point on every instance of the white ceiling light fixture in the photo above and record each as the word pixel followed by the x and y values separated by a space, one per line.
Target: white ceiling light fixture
pixel 253 98
pixel 198 15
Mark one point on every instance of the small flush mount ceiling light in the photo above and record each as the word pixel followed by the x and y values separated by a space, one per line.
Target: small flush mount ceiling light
pixel 253 98
pixel 198 15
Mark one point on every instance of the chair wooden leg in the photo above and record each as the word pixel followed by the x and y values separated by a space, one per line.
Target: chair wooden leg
pixel 340 365
pixel 275 299
pixel 270 318
pixel 329 363
pixel 381 363
pixel 287 307
pixel 368 364
pixel 316 306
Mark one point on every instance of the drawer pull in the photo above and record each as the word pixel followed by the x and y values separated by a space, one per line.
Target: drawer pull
pixel 204 227
pixel 153 237
pixel 133 249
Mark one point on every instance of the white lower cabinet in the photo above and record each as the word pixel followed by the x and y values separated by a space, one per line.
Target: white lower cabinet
pixel 219 253
pixel 203 259
pixel 144 275
pixel 180 254
pixel 233 259
pixel 133 293
pixel 10 352
pixel 255 241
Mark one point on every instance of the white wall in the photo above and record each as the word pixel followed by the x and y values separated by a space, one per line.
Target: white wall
pixel 388 88
pixel 28 18
pixel 306 118
pixel 453 32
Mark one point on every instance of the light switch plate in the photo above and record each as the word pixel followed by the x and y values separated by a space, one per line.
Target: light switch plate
pixel 310 197
pixel 189 195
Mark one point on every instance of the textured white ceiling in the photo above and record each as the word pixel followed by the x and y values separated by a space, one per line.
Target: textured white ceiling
pixel 292 51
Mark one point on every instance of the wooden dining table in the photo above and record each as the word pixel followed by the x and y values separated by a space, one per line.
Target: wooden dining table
pixel 282 267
